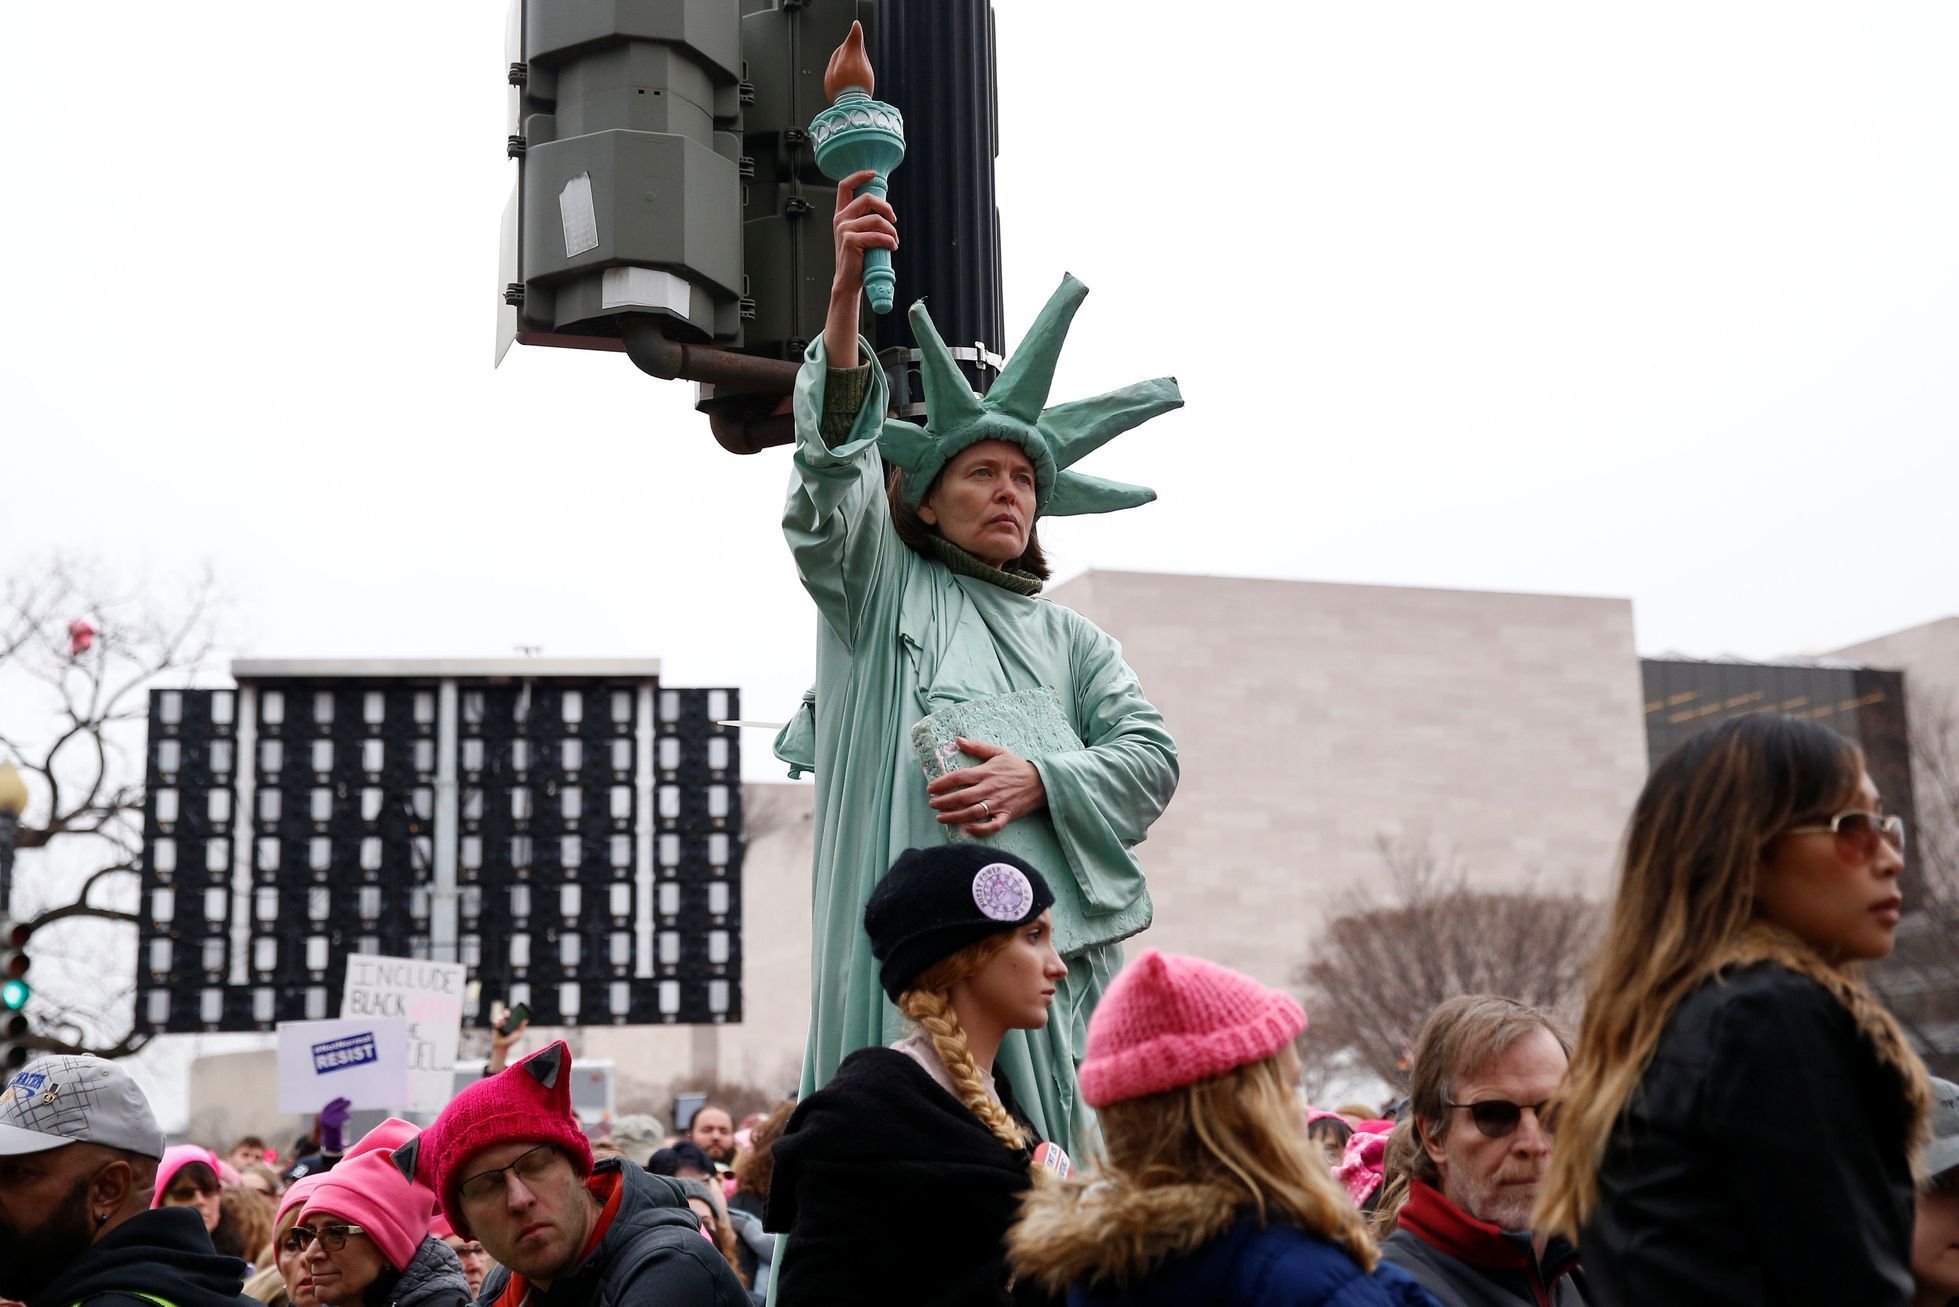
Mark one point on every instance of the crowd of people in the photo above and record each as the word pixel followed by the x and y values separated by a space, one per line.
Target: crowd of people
pixel 1735 1120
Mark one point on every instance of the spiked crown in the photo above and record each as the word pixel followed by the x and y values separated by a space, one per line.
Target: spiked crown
pixel 1014 411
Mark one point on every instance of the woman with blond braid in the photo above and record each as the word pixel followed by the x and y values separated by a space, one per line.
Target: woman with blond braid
pixel 1740 1115
pixel 898 1180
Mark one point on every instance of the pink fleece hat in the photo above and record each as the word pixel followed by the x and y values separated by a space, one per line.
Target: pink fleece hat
pixel 1168 1021
pixel 371 1192
pixel 391 1133
pixel 296 1195
pixel 177 1157
pixel 528 1101
pixel 1360 1166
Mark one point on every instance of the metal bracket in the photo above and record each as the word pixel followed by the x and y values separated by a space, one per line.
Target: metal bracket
pixel 513 148
pixel 520 74
pixel 900 359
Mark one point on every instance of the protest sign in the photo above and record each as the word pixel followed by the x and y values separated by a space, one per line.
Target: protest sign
pixel 362 1060
pixel 429 997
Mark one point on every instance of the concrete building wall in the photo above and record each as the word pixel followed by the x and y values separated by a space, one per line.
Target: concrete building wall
pixel 1315 720
pixel 1928 655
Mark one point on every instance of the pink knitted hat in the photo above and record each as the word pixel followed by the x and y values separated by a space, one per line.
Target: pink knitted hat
pixel 1169 1021
pixel 530 1100
pixel 371 1192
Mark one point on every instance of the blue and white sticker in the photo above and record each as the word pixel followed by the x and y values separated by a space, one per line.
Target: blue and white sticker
pixel 339 1054
pixel 1002 892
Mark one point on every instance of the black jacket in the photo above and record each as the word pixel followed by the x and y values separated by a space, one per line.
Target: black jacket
pixel 164 1253
pixel 893 1192
pixel 433 1278
pixel 1762 1160
pixel 652 1256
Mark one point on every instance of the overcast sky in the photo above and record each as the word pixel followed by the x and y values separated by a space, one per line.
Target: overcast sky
pixel 1653 300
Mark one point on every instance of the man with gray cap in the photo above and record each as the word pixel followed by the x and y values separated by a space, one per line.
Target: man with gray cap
pixel 1935 1229
pixel 79 1148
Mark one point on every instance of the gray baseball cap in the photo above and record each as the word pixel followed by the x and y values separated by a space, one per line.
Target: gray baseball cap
pixel 76 1100
pixel 1942 1154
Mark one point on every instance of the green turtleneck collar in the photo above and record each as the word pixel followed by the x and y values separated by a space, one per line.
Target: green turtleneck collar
pixel 964 564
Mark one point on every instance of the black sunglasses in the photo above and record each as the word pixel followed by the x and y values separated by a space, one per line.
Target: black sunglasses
pixel 1497 1118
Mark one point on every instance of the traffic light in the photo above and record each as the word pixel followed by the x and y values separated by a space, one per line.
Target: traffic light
pixel 665 182
pixel 625 125
pixel 14 993
pixel 786 199
pixel 14 989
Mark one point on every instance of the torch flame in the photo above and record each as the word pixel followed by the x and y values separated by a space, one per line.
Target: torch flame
pixel 849 67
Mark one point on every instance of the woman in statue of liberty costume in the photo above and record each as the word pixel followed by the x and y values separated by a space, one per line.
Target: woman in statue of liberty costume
pixel 927 588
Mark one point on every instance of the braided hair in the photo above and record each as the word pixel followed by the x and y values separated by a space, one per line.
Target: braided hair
pixel 928 1004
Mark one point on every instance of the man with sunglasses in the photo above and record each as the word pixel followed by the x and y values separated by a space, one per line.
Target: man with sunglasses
pixel 513 1169
pixel 79 1148
pixel 1484 1069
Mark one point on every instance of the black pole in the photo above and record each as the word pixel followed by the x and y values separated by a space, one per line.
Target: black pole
pixel 934 60
pixel 9 829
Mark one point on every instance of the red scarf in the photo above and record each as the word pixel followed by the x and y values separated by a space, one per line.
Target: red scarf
pixel 1436 1221
pixel 608 1188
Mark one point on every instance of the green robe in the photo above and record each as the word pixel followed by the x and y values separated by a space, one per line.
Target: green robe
pixel 900 637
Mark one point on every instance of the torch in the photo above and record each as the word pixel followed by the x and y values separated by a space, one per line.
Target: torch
pixel 855 133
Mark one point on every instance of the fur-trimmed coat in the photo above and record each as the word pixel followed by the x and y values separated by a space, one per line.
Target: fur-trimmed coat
pixel 1190 1245
pixel 1767 1155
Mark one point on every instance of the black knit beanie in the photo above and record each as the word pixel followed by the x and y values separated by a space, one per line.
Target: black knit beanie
pixel 934 902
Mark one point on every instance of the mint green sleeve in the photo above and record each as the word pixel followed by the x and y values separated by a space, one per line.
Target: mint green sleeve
pixel 838 527
pixel 1103 797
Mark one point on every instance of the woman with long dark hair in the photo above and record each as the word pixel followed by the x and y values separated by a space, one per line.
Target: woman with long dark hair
pixel 1740 1114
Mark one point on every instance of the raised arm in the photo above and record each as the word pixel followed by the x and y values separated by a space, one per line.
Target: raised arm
pixel 835 519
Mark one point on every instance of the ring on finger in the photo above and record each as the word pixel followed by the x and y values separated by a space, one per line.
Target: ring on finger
pixel 983 808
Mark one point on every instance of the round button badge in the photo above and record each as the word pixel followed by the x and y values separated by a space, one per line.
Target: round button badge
pixel 1002 892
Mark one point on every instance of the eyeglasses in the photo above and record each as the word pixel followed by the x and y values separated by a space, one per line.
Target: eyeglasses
pixel 332 1237
pixel 538 1163
pixel 1497 1118
pixel 185 1194
pixel 1858 831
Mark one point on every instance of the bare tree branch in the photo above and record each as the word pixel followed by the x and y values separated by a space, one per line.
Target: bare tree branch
pixel 71 718
pixel 1383 964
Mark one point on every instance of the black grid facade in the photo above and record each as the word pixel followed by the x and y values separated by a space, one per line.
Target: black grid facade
pixel 575 842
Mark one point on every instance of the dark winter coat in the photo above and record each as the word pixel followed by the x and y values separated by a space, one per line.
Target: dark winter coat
pixel 1188 1245
pixel 1465 1262
pixel 1765 1157
pixel 164 1253
pixel 893 1192
pixel 652 1255
pixel 433 1278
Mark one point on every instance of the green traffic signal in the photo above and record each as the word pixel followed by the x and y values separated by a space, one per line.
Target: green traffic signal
pixel 14 994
